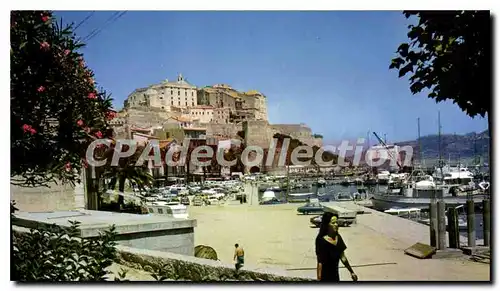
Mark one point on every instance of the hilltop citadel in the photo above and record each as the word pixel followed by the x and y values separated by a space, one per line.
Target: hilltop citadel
pixel 178 109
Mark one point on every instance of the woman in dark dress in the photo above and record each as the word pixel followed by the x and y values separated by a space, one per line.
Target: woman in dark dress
pixel 330 249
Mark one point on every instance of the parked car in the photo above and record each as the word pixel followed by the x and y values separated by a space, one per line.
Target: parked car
pixel 316 221
pixel 311 208
pixel 271 202
pixel 185 200
pixel 212 201
pixel 197 201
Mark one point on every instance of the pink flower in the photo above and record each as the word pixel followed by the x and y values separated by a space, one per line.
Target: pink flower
pixel 79 122
pixel 67 167
pixel 86 129
pixel 110 115
pixel 44 45
pixel 28 128
pixel 92 95
pixel 67 52
pixel 41 89
pixel 98 134
pixel 45 18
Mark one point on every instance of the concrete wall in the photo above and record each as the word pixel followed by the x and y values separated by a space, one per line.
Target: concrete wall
pixel 297 131
pixel 257 133
pixel 151 232
pixel 229 130
pixel 38 199
pixel 145 118
pixel 190 268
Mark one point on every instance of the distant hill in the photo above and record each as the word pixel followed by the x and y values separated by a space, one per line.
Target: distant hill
pixel 453 146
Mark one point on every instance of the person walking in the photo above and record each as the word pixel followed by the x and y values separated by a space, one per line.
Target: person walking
pixel 330 249
pixel 239 257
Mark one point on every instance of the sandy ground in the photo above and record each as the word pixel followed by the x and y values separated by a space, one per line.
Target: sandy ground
pixel 276 236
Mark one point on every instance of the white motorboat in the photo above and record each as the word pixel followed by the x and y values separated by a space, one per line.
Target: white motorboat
pixel 172 209
pixel 344 197
pixel 417 192
pixel 404 212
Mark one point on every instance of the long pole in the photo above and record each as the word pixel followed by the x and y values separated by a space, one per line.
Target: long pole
pixel 471 231
pixel 418 140
pixel 433 221
pixel 486 222
pixel 439 145
pixel 441 211
pixel 287 182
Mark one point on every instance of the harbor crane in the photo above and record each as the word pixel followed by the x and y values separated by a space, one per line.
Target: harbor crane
pixel 388 151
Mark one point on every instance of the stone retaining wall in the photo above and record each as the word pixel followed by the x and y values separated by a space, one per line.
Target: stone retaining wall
pixel 180 267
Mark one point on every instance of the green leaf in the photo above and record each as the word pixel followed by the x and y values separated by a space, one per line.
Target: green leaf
pixel 406 69
pixel 403 49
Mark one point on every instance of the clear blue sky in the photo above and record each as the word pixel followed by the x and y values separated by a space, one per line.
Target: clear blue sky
pixel 326 69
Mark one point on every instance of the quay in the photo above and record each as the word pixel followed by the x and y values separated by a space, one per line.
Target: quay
pixel 276 236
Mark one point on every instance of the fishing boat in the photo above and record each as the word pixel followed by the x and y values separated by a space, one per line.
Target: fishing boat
pixel 300 197
pixel 358 181
pixel 321 183
pixel 344 197
pixel 411 196
pixel 370 181
pixel 383 177
pixel 418 190
pixel 346 182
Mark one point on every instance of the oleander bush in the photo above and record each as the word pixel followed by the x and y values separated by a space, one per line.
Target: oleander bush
pixel 56 108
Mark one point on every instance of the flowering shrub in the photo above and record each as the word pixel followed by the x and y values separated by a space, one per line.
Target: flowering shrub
pixel 56 109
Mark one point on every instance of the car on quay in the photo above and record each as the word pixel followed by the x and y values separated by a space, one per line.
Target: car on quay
pixel 312 207
pixel 316 221
pixel 185 200
pixel 272 201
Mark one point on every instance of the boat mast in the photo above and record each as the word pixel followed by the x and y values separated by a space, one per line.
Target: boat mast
pixel 440 162
pixel 476 162
pixel 458 154
pixel 418 142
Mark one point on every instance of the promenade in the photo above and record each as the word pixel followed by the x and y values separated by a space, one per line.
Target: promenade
pixel 276 236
